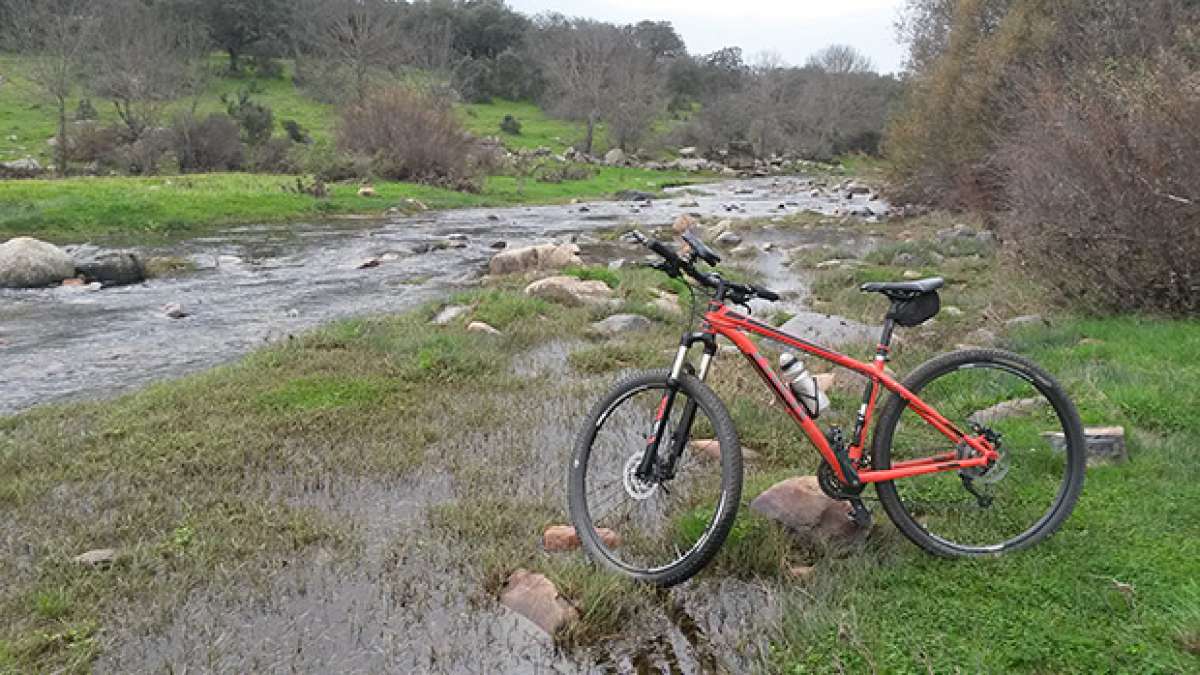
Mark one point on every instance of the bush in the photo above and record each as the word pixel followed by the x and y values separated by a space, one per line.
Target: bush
pixel 92 142
pixel 265 67
pixel 211 144
pixel 257 121
pixel 86 111
pixel 1102 187
pixel 510 125
pixel 296 133
pixel 472 79
pixel 273 156
pixel 324 162
pixel 408 135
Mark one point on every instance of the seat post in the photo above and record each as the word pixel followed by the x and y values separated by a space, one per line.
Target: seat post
pixel 885 340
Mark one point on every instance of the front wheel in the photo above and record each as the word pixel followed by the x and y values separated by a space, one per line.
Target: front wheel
pixel 1015 503
pixel 665 529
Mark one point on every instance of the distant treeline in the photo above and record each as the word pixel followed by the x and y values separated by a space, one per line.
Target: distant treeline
pixel 627 76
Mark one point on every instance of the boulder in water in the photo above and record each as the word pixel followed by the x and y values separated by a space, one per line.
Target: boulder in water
pixel 26 262
pixel 109 267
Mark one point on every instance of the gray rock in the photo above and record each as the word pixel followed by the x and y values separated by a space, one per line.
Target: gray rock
pixel 28 164
pixel 904 259
pixel 100 557
pixel 481 327
pixel 729 239
pixel 687 152
pixel 26 262
pixel 1104 444
pixel 1006 409
pixel 829 330
pixel 449 314
pixel 174 311
pixel 619 324
pixel 1017 323
pixel 614 157
pixel 531 258
pixel 571 291
pixel 109 267
pixel 634 196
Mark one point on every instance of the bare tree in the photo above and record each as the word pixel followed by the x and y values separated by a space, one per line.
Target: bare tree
pixel 350 41
pixel 841 60
pixel 140 63
pixel 596 70
pixel 54 35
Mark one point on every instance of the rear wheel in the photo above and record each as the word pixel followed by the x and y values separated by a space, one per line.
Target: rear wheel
pixel 666 529
pixel 1015 503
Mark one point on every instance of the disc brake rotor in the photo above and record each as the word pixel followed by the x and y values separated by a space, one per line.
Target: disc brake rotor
pixel 636 487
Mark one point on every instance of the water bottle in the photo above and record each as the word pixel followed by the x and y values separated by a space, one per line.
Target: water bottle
pixel 803 386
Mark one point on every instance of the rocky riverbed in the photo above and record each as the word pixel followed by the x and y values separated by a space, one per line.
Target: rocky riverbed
pixel 257 284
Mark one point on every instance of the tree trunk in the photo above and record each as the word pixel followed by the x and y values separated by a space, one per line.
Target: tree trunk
pixel 591 134
pixel 60 151
pixel 234 66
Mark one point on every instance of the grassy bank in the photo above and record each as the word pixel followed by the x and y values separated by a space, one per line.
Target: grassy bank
pixel 201 482
pixel 66 210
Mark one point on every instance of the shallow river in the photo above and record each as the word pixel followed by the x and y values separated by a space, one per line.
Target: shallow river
pixel 260 283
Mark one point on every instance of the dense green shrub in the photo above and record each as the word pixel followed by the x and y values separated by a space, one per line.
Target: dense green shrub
pixel 257 121
pixel 211 144
pixel 510 125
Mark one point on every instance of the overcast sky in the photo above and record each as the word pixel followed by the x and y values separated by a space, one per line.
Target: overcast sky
pixel 793 29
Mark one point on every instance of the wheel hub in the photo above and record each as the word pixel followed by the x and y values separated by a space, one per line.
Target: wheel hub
pixel 636 487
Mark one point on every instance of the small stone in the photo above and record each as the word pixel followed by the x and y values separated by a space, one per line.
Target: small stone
pixel 710 449
pixel 571 291
pixel 498 245
pixel 481 327
pixel 951 310
pixel 369 263
pixel 1085 342
pixel 558 538
pixel 667 302
pixel 366 191
pixel 729 239
pixel 101 557
pixel 449 314
pixel 174 311
pixel 802 572
pixel 457 236
pixel 73 282
pixel 416 204
pixel 744 251
pixel 536 598
pixel 911 274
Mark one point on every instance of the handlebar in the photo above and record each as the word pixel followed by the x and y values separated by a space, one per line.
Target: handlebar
pixel 674 265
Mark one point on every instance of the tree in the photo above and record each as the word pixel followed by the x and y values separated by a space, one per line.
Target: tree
pixel 55 36
pixel 659 39
pixel 237 25
pixel 142 62
pixel 596 70
pixel 841 60
pixel 354 38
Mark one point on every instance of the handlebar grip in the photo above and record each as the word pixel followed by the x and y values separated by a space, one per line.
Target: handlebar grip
pixel 664 251
pixel 765 293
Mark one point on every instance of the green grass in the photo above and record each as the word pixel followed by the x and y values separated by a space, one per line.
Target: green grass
pixel 179 205
pixel 538 130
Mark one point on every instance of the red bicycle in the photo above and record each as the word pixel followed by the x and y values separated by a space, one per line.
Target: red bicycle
pixel 976 453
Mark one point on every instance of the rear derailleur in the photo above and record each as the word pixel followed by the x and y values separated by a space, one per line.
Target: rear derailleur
pixel 834 488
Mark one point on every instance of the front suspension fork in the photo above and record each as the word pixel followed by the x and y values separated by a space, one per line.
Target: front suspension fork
pixel 648 468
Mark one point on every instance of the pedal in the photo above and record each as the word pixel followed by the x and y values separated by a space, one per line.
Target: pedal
pixel 859 513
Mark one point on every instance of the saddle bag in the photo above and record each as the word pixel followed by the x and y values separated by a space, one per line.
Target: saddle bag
pixel 915 311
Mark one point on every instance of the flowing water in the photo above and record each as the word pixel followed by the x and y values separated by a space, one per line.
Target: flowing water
pixel 260 283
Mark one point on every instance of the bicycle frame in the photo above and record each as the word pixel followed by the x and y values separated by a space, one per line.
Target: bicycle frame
pixel 737 328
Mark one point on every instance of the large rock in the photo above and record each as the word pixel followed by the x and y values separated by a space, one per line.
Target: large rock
pixel 26 262
pixel 571 291
pixel 614 157
pixel 535 597
pixel 740 155
pixel 111 268
pixel 799 505
pixel 1105 445
pixel 619 324
pixel 829 330
pixel 534 258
